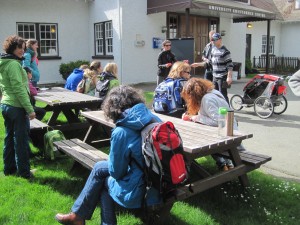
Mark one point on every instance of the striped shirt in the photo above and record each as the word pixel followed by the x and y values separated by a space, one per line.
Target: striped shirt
pixel 221 61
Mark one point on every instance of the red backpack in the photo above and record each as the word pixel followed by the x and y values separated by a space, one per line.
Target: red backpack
pixel 163 152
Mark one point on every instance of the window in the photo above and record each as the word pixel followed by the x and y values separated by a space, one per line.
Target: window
pixel 45 33
pixel 104 39
pixel 173 26
pixel 271 44
pixel 297 4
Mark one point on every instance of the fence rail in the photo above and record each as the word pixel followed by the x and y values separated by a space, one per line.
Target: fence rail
pixel 278 65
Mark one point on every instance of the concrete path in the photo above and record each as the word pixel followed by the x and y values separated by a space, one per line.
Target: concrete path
pixel 277 136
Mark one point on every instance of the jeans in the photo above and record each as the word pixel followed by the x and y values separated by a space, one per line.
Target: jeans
pixel 95 191
pixel 220 161
pixel 218 82
pixel 16 141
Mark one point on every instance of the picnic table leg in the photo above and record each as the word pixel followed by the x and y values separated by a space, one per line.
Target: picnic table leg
pixel 53 117
pixel 236 159
pixel 71 116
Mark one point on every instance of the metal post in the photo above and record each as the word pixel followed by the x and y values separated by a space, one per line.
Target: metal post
pixel 268 47
pixel 187 22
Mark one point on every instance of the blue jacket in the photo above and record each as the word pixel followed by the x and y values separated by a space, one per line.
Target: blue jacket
pixel 126 184
pixel 30 62
pixel 73 79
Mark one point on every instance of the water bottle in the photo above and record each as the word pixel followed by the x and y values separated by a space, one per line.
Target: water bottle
pixel 222 131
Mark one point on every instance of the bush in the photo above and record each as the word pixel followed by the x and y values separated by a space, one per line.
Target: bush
pixel 65 69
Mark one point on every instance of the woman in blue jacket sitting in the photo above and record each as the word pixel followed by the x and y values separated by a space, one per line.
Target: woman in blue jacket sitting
pixel 118 179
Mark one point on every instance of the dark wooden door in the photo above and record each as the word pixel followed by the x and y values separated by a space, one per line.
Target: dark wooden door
pixel 248 46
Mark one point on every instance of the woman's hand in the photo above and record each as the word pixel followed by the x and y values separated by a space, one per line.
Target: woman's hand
pixel 32 115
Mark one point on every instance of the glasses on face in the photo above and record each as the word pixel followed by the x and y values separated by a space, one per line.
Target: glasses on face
pixel 168 45
pixel 188 72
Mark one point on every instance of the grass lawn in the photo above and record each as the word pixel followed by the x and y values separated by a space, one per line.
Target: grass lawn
pixel 56 185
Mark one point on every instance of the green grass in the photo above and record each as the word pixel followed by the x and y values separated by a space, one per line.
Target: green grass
pixel 56 185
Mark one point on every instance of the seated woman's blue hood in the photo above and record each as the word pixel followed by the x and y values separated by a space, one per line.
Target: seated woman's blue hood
pixel 136 117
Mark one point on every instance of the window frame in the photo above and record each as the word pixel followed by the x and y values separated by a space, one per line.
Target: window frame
pixel 37 34
pixel 264 45
pixel 103 40
pixel 297 5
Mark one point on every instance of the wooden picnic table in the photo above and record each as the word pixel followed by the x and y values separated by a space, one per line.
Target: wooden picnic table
pixel 198 141
pixel 68 102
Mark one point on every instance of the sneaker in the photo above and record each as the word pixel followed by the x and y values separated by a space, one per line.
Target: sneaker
pixel 224 168
pixel 230 166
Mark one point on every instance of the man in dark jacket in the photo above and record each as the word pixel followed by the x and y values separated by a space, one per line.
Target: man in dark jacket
pixel 165 60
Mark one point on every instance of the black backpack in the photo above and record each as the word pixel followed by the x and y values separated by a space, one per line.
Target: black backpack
pixel 102 85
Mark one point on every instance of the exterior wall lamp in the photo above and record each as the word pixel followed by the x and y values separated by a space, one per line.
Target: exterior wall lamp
pixel 249 25
pixel 164 29
pixel 223 32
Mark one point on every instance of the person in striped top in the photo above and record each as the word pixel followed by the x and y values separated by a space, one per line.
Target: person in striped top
pixel 222 65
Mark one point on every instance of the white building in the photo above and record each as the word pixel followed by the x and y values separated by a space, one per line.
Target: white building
pixel 124 31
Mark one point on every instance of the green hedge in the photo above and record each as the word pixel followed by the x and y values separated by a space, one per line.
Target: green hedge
pixel 65 69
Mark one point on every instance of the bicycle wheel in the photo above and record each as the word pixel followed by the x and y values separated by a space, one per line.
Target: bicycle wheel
pixel 280 104
pixel 263 107
pixel 236 102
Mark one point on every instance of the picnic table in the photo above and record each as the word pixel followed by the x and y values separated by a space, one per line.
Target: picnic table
pixel 60 100
pixel 198 141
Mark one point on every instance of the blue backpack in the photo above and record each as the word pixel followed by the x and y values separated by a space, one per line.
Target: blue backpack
pixel 167 99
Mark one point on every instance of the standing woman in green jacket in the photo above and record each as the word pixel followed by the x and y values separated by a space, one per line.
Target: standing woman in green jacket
pixel 16 108
pixel 31 60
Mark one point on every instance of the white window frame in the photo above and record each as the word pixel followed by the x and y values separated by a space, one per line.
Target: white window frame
pixel 264 44
pixel 103 32
pixel 297 4
pixel 48 39
pixel 44 33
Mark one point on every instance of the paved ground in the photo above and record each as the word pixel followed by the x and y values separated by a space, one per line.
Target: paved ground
pixel 277 136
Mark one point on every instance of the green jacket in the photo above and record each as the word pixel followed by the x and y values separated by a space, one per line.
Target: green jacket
pixel 14 84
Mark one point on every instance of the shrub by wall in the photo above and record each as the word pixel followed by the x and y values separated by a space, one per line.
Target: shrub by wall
pixel 65 69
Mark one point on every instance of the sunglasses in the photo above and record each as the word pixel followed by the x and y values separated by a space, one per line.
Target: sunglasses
pixel 168 45
pixel 188 72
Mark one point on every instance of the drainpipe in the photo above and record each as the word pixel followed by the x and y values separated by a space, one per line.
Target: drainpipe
pixel 120 67
pixel 268 42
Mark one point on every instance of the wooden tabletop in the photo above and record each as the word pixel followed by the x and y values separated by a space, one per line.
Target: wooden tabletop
pixel 61 96
pixel 196 137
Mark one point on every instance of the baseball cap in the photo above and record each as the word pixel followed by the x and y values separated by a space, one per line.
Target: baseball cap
pixel 216 36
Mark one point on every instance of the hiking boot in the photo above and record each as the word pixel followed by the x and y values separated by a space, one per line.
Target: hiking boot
pixel 69 219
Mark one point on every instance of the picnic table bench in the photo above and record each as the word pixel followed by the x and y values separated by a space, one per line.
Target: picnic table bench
pixel 198 141
pixel 37 125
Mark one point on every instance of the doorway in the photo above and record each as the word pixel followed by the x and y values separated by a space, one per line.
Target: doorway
pixel 248 46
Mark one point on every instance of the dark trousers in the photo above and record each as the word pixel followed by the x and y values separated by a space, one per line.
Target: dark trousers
pixel 220 86
pixel 16 141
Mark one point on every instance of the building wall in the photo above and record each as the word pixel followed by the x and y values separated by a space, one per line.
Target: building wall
pixel 258 30
pixel 289 43
pixel 235 40
pixel 131 23
pixel 71 17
